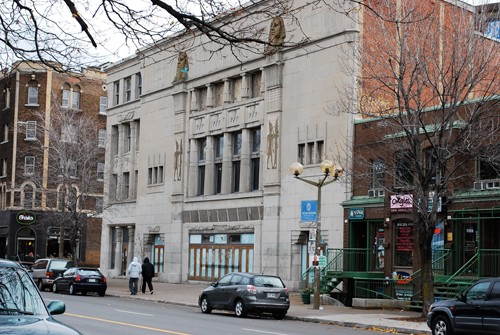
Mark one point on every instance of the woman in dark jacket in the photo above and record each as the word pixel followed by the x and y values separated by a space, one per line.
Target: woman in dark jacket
pixel 148 272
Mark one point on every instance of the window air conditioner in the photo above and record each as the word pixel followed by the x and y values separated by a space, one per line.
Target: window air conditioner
pixel 478 186
pixel 376 193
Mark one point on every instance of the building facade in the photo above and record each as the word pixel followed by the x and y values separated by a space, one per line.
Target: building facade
pixel 200 146
pixel 31 194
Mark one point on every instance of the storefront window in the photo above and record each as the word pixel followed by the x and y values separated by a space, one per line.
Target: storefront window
pixel 404 244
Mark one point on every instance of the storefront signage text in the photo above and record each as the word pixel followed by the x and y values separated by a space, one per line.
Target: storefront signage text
pixel 401 202
pixel 356 214
pixel 25 218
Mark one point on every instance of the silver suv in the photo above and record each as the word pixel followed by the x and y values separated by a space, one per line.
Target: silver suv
pixel 46 270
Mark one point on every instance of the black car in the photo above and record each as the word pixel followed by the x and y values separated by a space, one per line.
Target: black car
pixel 22 310
pixel 246 293
pixel 46 270
pixel 81 279
pixel 476 311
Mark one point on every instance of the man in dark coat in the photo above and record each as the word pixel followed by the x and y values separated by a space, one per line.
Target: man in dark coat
pixel 148 272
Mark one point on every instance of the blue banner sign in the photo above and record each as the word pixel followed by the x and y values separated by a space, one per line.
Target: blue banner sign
pixel 309 210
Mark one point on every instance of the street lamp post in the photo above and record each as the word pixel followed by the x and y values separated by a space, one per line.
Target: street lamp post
pixel 327 169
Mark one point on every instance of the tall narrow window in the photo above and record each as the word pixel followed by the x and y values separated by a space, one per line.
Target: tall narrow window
pixel 116 91
pixel 377 174
pixel 236 161
pixel 5 133
pixel 4 167
pixel 75 98
pixel 434 164
pixel 126 185
pixel 219 152
pixel 28 196
pixel 255 84
pixel 103 105
pixel 99 205
pixel 72 169
pixel 404 174
pixel 138 80
pixel 33 93
pixel 202 156
pixel 255 159
pixel 301 153
pixel 128 138
pixel 65 96
pixel 30 130
pixel 102 138
pixel 320 151
pixel 100 171
pixel 29 165
pixel 310 153
pixel 128 89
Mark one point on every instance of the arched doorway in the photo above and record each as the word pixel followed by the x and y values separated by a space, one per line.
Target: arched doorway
pixel 26 244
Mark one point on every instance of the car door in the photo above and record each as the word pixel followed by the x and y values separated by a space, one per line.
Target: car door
pixel 63 281
pixel 233 290
pixel 491 310
pixel 218 294
pixel 469 312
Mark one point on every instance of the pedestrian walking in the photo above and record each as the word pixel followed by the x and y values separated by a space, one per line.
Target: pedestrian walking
pixel 148 272
pixel 134 271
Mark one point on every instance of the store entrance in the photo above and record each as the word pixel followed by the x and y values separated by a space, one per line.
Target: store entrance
pixel 470 243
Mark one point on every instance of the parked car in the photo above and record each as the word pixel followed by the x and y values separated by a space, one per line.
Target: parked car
pixel 22 309
pixel 46 270
pixel 476 311
pixel 246 293
pixel 81 279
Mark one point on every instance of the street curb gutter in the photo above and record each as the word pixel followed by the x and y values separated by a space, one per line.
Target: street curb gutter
pixel 305 319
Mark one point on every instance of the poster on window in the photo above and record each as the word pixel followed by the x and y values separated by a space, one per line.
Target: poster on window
pixel 404 236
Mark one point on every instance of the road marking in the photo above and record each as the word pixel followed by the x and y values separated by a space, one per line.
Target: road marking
pixel 126 324
pixel 262 331
pixel 121 310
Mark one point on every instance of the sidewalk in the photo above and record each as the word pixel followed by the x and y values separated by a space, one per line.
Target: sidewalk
pixel 187 294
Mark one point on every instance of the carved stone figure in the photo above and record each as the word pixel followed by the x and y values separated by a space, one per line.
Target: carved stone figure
pixel 182 66
pixel 272 145
pixel 277 34
pixel 178 160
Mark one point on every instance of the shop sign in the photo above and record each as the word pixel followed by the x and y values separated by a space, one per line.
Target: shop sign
pixel 26 218
pixel 356 214
pixel 401 202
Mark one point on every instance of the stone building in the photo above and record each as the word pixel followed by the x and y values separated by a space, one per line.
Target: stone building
pixel 200 145
pixel 31 194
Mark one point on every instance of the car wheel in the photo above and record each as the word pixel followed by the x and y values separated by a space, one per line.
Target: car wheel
pixel 71 289
pixel 40 285
pixel 205 305
pixel 240 309
pixel 102 293
pixel 441 326
pixel 54 288
pixel 279 315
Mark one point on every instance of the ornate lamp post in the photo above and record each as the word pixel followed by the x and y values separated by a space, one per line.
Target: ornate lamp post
pixel 327 169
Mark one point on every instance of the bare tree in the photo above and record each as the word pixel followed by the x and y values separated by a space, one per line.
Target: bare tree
pixel 75 33
pixel 431 75
pixel 70 180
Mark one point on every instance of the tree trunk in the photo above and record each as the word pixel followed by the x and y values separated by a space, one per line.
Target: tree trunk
pixel 427 284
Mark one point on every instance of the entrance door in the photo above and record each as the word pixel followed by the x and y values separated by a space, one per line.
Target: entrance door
pixel 157 260
pixel 490 257
pixel 359 242
pixel 470 235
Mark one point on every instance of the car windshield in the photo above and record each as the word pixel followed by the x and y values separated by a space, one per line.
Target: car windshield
pixel 264 281
pixel 60 265
pixel 18 294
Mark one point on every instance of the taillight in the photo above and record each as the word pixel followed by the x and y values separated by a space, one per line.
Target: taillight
pixel 252 289
pixel 49 274
pixel 286 290
pixel 78 278
pixel 104 279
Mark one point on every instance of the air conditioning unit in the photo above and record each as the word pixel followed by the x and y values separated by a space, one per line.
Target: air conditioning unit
pixel 478 186
pixel 376 193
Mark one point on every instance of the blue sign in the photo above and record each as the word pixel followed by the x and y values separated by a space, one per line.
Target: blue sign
pixel 356 213
pixel 309 210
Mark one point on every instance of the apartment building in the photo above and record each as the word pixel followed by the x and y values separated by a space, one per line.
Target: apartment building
pixel 50 183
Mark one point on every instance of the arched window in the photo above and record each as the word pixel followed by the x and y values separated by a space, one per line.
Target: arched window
pixel 75 97
pixel 25 244
pixel 66 95
pixel 3 196
pixel 33 92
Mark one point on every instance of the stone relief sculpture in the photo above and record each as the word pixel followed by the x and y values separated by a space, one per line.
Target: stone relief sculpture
pixel 178 160
pixel 277 34
pixel 272 145
pixel 182 66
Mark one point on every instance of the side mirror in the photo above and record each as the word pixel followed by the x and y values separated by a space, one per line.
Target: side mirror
pixel 56 307
pixel 461 297
pixel 214 284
